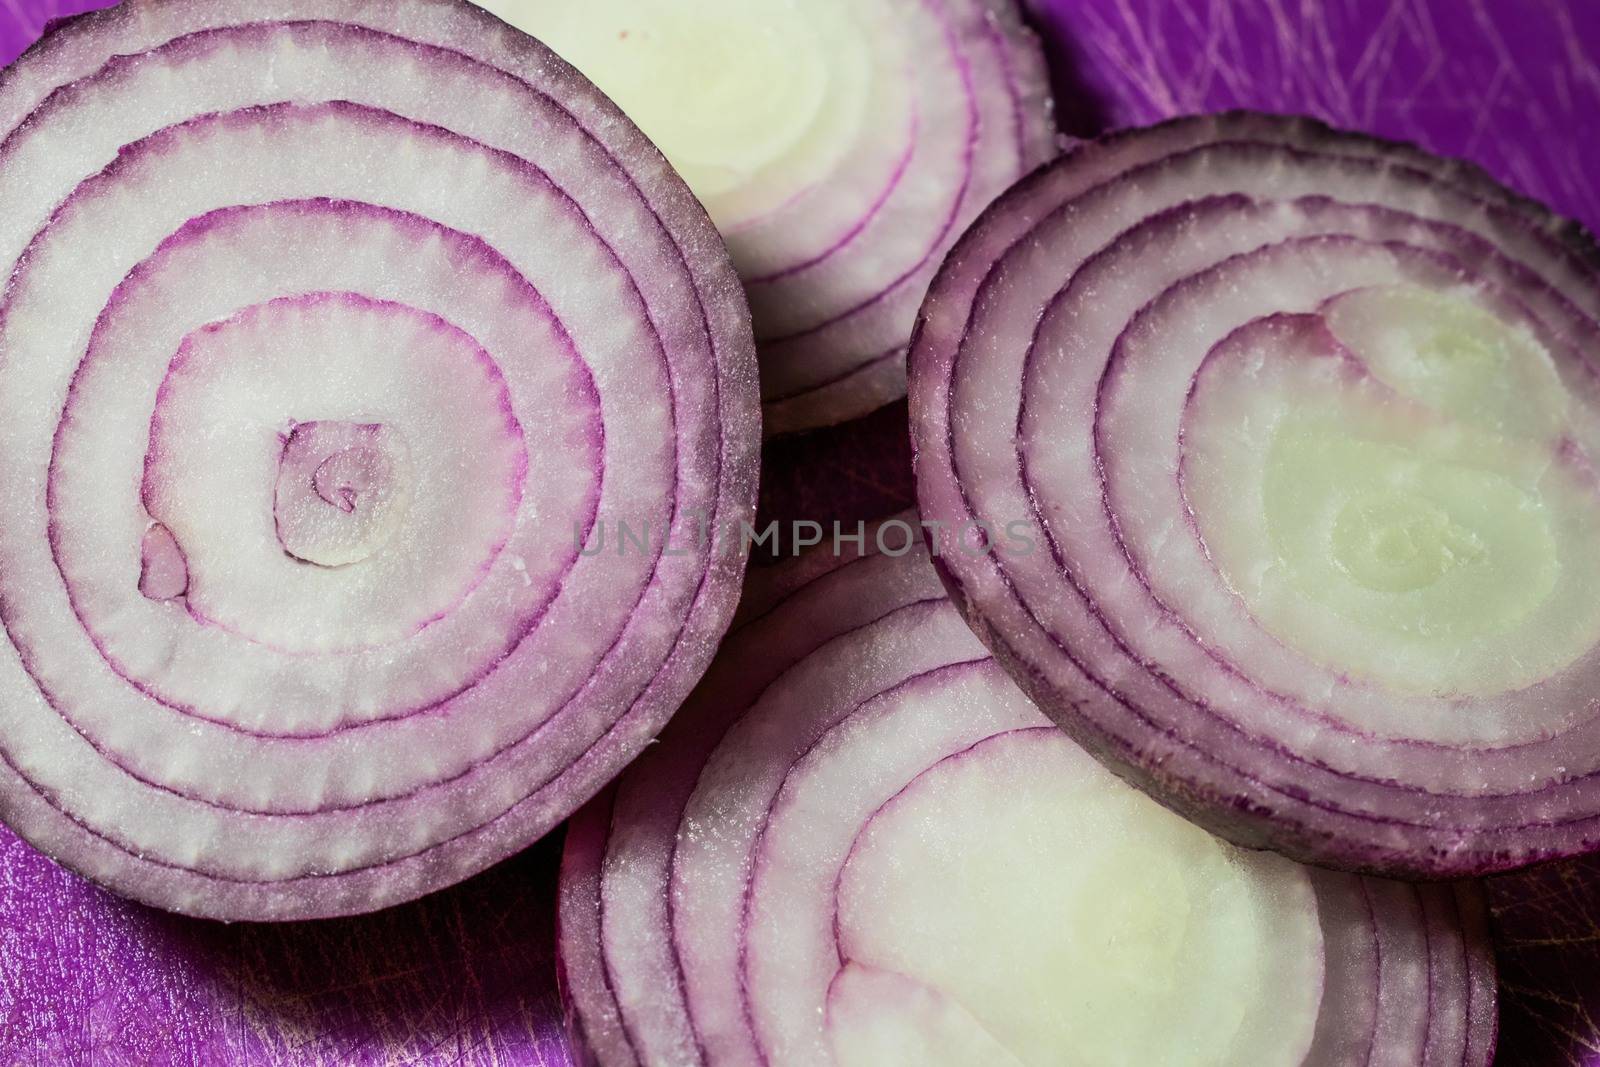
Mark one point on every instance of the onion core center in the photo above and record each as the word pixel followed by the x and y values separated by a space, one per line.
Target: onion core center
pixel 342 491
pixel 1421 485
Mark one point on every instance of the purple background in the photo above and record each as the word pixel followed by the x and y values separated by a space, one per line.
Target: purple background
pixel 466 977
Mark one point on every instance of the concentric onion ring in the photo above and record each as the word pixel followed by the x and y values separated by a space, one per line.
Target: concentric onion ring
pixel 1302 422
pixel 841 146
pixel 332 337
pixel 860 844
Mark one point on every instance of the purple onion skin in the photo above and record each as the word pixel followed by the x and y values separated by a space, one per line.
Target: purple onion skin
pixel 466 976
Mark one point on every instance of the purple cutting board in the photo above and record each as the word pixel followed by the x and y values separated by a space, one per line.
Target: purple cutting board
pixel 467 976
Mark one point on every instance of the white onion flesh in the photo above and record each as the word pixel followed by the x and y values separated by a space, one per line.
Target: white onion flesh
pixel 328 333
pixel 859 843
pixel 1302 422
pixel 841 146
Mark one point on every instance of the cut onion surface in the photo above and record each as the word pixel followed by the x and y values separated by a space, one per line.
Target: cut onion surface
pixel 860 844
pixel 335 328
pixel 841 145
pixel 1294 430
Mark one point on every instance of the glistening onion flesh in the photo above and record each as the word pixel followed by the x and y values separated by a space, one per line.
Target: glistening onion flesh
pixel 331 334
pixel 859 843
pixel 840 145
pixel 1302 423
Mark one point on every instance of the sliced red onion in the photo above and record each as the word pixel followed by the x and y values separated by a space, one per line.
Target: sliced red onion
pixel 859 843
pixel 332 336
pixel 841 146
pixel 1297 425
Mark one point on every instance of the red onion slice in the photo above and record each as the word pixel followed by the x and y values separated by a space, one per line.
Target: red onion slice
pixel 861 844
pixel 1299 421
pixel 331 338
pixel 840 145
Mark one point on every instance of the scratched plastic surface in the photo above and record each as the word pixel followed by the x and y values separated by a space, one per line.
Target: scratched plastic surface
pixel 466 977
